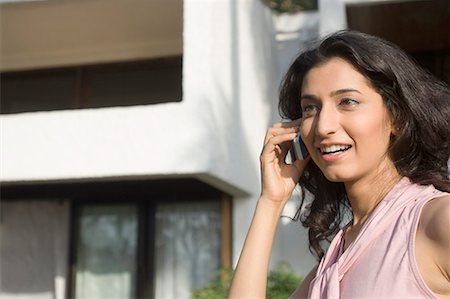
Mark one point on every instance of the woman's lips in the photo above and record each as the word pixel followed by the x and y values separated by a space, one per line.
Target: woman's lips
pixel 333 152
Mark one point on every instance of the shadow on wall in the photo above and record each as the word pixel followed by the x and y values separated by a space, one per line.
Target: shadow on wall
pixel 238 104
pixel 275 47
pixel 280 40
pixel 266 57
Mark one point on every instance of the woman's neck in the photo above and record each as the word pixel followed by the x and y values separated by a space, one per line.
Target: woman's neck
pixel 365 194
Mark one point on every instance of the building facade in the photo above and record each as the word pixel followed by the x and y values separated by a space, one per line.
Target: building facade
pixel 130 140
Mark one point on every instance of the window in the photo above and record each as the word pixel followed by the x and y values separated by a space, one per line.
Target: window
pixel 186 246
pixel 106 251
pixel 128 239
pixel 116 84
pixel 33 248
pixel 50 90
pixel 123 248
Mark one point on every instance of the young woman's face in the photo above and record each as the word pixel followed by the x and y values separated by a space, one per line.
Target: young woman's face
pixel 346 127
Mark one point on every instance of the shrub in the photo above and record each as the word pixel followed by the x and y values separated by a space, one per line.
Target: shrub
pixel 291 6
pixel 281 283
pixel 218 288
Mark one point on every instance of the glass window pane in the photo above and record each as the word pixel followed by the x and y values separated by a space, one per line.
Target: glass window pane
pixel 33 248
pixel 187 247
pixel 40 92
pixel 106 252
pixel 134 84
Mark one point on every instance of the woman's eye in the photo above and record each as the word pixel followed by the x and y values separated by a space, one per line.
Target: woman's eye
pixel 309 109
pixel 349 102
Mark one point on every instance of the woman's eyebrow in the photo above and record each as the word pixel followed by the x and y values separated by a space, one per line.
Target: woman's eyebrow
pixel 332 94
pixel 308 97
pixel 344 90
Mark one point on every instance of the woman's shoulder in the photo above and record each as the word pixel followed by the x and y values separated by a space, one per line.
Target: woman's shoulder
pixel 434 226
pixel 435 220
pixel 433 244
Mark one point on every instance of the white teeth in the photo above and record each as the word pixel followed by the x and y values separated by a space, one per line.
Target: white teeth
pixel 333 148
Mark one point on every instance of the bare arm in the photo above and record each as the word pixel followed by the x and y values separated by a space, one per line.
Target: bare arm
pixel 251 273
pixel 278 182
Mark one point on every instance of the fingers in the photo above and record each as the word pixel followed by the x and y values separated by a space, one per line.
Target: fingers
pixel 279 144
pixel 282 128
pixel 279 138
pixel 275 132
pixel 287 124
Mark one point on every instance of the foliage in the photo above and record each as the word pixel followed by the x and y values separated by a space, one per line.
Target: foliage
pixel 281 282
pixel 291 6
pixel 218 288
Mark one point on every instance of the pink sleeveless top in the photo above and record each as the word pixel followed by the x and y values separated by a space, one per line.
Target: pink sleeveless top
pixel 380 262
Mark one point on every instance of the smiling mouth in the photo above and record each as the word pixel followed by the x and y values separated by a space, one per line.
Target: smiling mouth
pixel 333 149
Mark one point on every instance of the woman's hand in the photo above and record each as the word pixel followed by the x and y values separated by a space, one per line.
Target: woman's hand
pixel 278 178
pixel 278 182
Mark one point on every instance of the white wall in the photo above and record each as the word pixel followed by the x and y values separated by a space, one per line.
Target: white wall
pixel 230 80
pixel 243 67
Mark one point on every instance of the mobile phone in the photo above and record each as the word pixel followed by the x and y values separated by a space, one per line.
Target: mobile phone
pixel 299 149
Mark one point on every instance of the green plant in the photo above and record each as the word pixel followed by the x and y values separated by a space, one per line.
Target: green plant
pixel 218 288
pixel 281 282
pixel 291 6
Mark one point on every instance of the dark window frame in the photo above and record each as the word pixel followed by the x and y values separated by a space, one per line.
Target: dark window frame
pixel 81 80
pixel 146 194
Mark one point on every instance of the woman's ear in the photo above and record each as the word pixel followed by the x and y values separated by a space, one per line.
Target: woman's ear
pixel 395 130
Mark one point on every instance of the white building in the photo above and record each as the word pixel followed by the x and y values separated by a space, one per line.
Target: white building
pixel 150 187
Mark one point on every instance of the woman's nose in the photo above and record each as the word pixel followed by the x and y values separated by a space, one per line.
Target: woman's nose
pixel 327 122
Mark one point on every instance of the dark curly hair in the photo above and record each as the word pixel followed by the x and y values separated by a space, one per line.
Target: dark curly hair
pixel 419 106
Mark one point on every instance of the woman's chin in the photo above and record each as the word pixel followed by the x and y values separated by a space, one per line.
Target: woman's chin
pixel 336 177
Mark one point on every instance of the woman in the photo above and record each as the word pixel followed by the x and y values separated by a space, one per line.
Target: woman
pixel 377 130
